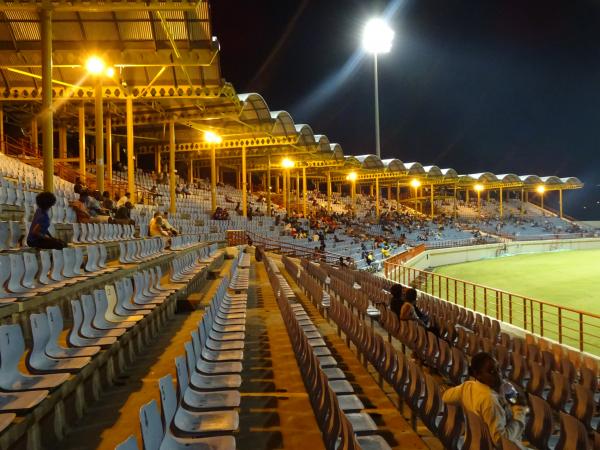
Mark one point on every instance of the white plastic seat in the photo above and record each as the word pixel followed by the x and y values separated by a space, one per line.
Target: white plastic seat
pixel 128 444
pixel 93 256
pixel 155 437
pixel 202 400
pixel 114 312
pixel 53 348
pixel 193 422
pixel 15 234
pixel 38 360
pixel 210 382
pixel 12 347
pixel 17 272
pixel 4 236
pixel 18 402
pixel 208 367
pixel 101 321
pixel 124 297
pixel 77 338
pixel 91 321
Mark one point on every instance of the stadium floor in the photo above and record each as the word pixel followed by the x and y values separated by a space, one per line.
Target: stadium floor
pixel 566 278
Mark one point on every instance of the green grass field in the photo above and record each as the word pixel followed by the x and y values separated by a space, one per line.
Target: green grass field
pixel 566 278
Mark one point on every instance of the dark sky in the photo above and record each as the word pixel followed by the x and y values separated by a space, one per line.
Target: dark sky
pixel 503 86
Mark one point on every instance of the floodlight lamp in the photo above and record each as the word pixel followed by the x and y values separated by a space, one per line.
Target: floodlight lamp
pixel 415 183
pixel 94 65
pixel 352 176
pixel 212 138
pixel 479 187
pixel 541 189
pixel 377 36
pixel 287 163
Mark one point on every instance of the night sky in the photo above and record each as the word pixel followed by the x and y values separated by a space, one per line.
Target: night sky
pixel 502 86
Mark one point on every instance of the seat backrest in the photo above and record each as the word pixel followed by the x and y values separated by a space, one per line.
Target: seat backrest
pixel 57 265
pixel 451 425
pixel 46 265
pixel 55 322
pixel 12 347
pixel 573 435
pixel 31 270
pixel 477 436
pixel 40 331
pixel 183 376
pixel 189 356
pixel 539 427
pixel 583 404
pixel 4 235
pixel 168 398
pixel 17 271
pixel 151 426
pixel 69 262
pixel 129 444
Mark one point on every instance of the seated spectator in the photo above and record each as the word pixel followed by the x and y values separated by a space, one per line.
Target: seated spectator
pixel 93 205
pixel 482 396
pixel 126 198
pixel 154 193
pixel 396 301
pixel 79 186
pixel 167 226
pixel 409 309
pixel 156 227
pixel 82 213
pixel 178 190
pixel 39 235
pixel 186 190
pixel 123 215
pixel 107 202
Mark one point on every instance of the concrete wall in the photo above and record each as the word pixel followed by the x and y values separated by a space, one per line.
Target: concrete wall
pixel 445 256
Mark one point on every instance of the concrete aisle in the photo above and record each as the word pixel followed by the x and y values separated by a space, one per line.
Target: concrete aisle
pixel 275 411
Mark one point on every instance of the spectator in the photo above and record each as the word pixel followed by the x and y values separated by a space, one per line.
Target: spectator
pixel 482 396
pixel 156 227
pixel 396 301
pixel 123 214
pixel 126 198
pixel 167 226
pixel 186 190
pixel 342 264
pixel 154 193
pixel 107 202
pixel 39 235
pixel 93 205
pixel 82 213
pixel 178 190
pixel 409 309
pixel 79 186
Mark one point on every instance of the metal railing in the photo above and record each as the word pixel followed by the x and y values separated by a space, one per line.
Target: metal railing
pixel 572 327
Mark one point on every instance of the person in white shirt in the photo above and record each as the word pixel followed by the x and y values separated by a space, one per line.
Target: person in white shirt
pixel 124 199
pixel 482 396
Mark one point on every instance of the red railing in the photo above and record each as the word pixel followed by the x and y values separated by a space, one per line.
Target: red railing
pixel 576 328
pixel 401 258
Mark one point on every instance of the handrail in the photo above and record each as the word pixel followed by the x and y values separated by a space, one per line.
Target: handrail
pixel 569 326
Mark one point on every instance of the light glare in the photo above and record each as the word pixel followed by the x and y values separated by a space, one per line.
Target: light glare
pixel 377 36
pixel 415 183
pixel 110 72
pixel 212 138
pixel 287 163
pixel 541 189
pixel 94 65
pixel 479 187
pixel 352 176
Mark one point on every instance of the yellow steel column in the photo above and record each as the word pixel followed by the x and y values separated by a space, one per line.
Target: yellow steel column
pixel 82 155
pixel 172 195
pixel 371 189
pixel 467 195
pixel 389 196
pixel 522 198
pixel 109 149
pixel 455 203
pixel 2 144
pixel 277 184
pixel 328 191
pixel 62 142
pixel 244 184
pixel 431 199
pixel 284 191
pixel 298 192
pixel 376 197
pixel 34 134
pixel 213 178
pixel 268 187
pixel 157 167
pixel 117 151
pixel 305 193
pixel 353 195
pixel 560 203
pixel 190 170
pixel 130 161
pixel 250 183
pixel 47 111
pixel 99 116
pixel 501 206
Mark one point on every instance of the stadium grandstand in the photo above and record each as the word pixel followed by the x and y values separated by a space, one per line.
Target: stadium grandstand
pixel 185 268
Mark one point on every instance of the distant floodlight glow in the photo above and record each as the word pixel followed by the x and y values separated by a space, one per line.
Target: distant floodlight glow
pixel 212 138
pixel 415 183
pixel 377 36
pixel 479 187
pixel 352 176
pixel 287 163
pixel 94 65
pixel 541 189
pixel 110 72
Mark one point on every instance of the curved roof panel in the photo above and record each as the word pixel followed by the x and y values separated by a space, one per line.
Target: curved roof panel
pixel 306 135
pixel 573 181
pixel 283 124
pixel 508 177
pixel 322 142
pixel 483 176
pixel 530 179
pixel 551 180
pixel 432 171
pixel 336 151
pixel 414 168
pixel 370 161
pixel 393 164
pixel 449 173
pixel 254 108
